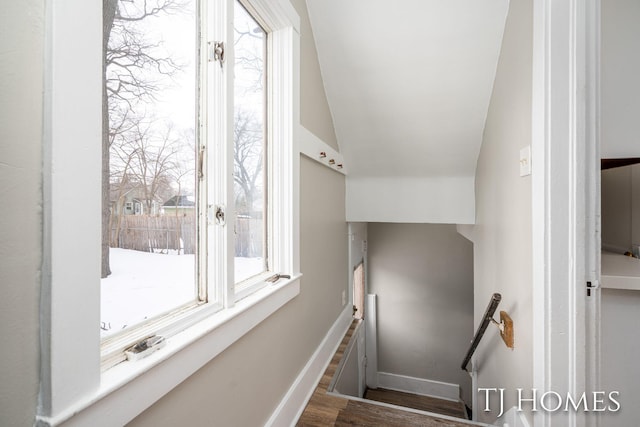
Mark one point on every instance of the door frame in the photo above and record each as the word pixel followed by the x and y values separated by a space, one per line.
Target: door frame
pixel 367 346
pixel 565 202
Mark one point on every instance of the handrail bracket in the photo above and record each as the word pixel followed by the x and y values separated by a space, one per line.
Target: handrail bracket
pixel 505 325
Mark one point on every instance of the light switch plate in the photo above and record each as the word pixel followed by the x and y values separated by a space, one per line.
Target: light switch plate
pixel 525 161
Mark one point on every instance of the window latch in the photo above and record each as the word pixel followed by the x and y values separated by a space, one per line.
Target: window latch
pixel 276 277
pixel 216 214
pixel 144 348
pixel 216 52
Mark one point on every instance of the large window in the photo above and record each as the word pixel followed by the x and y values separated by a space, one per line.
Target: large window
pixel 165 151
pixel 150 229
pixel 188 178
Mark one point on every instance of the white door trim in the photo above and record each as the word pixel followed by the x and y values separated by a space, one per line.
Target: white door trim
pixel 593 241
pixel 564 197
pixel 371 341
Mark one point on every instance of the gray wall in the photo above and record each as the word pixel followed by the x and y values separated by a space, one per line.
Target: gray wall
pixel 21 68
pixel 620 347
pixel 314 109
pixel 423 276
pixel 242 386
pixel 502 234
pixel 620 188
pixel 619 84
pixel 620 98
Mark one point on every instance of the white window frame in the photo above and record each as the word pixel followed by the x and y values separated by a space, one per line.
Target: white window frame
pixel 73 388
pixel 220 87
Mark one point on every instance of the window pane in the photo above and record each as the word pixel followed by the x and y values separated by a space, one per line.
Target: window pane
pixel 150 191
pixel 250 146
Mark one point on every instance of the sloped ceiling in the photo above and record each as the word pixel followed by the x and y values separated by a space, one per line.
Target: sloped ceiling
pixel 408 81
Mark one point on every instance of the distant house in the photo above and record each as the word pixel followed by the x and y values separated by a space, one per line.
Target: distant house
pixel 179 205
pixel 133 207
pixel 131 201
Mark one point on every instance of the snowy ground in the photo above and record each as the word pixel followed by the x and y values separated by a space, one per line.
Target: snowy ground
pixel 143 285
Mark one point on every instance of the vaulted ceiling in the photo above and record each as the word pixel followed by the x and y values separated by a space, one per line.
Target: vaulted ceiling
pixel 408 82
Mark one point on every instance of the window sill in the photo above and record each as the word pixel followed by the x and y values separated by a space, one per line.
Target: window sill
pixel 129 388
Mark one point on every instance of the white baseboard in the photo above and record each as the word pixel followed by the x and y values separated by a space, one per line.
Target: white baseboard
pixel 420 386
pixel 512 418
pixel 294 402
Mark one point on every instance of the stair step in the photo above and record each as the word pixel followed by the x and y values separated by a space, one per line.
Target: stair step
pixel 422 403
pixel 362 414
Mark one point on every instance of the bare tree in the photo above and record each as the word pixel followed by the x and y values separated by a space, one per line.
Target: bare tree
pixel 249 56
pixel 248 161
pixel 182 171
pixel 153 162
pixel 129 64
pixel 120 184
pixel 249 45
pixel 147 161
pixel 148 164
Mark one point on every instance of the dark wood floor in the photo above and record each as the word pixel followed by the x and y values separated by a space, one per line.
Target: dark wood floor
pixel 329 410
pixel 422 403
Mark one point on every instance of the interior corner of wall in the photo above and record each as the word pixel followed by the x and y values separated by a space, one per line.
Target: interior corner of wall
pixel 466 231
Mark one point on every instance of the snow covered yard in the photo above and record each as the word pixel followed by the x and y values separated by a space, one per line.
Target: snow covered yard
pixel 144 285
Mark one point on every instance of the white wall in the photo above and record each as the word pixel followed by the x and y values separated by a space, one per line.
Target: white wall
pixel 502 234
pixel 441 200
pixel 21 86
pixel 620 85
pixel 423 276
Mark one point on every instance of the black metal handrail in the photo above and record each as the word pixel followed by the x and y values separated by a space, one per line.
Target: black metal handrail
pixel 488 317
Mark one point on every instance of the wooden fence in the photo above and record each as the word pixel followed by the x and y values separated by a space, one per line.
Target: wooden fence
pixel 249 237
pixel 149 233
pixel 167 233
